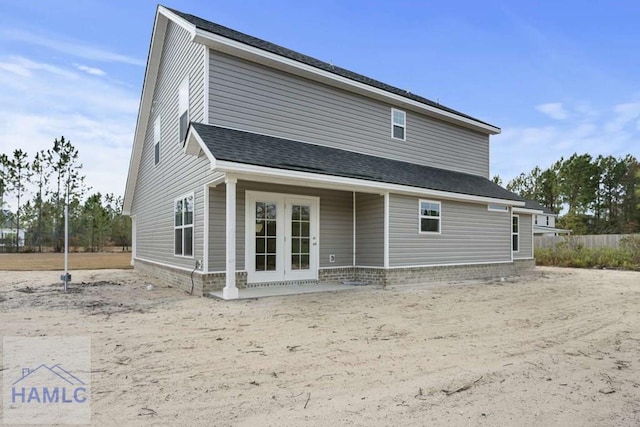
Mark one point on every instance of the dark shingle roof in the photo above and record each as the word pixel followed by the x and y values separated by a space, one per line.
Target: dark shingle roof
pixel 261 150
pixel 308 60
pixel 532 204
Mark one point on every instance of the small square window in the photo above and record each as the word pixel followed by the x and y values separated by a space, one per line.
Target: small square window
pixel 398 124
pixel 429 216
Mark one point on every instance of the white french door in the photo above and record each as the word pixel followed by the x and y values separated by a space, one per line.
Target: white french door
pixel 281 237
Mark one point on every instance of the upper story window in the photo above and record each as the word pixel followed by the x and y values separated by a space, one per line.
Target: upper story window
pixel 398 124
pixel 156 140
pixel 183 108
pixel 183 225
pixel 429 216
pixel 536 220
pixel 515 233
pixel 547 219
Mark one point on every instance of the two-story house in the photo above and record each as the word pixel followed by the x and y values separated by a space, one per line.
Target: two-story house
pixel 544 224
pixel 253 164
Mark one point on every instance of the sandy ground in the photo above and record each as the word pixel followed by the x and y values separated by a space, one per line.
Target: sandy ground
pixel 561 347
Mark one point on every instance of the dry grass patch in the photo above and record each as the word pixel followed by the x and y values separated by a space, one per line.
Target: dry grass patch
pixel 54 261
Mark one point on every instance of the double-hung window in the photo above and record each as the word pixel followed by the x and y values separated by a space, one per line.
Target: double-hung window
pixel 515 233
pixel 398 124
pixel 183 108
pixel 430 216
pixel 183 226
pixel 156 140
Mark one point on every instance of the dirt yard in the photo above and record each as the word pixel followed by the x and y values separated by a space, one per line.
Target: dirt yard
pixel 55 261
pixel 561 347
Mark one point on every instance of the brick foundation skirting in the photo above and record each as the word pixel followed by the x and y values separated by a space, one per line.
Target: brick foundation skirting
pixel 205 283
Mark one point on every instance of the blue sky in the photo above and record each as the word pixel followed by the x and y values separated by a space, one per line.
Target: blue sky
pixel 557 77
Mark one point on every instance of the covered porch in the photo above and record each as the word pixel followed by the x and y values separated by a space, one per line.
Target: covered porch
pixel 275 238
pixel 285 212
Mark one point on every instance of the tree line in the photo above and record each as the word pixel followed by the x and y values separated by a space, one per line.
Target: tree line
pixel 41 186
pixel 600 195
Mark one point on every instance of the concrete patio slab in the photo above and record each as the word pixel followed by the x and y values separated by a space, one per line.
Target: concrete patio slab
pixel 273 291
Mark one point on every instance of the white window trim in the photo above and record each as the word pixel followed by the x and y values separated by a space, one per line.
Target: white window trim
pixel 420 216
pixel 192 225
pixel 404 126
pixel 183 104
pixel 515 234
pixel 156 140
pixel 498 208
pixel 183 96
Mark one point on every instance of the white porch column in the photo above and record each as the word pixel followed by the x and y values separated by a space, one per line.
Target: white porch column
pixel 386 230
pixel 230 290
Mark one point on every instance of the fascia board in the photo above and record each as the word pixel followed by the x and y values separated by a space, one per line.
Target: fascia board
pixel 349 184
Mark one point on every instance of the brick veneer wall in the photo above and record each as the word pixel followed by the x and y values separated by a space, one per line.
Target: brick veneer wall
pixel 205 283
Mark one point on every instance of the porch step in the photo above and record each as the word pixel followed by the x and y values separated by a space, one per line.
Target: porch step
pixel 287 289
pixel 282 283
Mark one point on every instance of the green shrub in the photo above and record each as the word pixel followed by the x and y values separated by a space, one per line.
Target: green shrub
pixel 580 257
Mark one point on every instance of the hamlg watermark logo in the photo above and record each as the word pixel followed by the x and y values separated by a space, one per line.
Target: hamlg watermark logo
pixel 46 380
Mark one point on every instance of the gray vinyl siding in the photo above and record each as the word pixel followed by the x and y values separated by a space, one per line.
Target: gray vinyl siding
pixel 336 223
pixel 177 174
pixel 369 230
pixel 525 228
pixel 248 96
pixel 469 234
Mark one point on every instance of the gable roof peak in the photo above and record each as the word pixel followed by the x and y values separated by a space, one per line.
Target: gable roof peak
pixel 266 46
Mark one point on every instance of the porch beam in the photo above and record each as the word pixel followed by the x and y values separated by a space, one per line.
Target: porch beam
pixel 230 291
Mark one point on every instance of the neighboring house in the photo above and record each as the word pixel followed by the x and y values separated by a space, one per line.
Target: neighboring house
pixel 9 231
pixel 544 224
pixel 254 164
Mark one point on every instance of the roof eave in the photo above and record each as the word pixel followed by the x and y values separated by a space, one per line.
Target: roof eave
pixel 348 184
pixel 254 54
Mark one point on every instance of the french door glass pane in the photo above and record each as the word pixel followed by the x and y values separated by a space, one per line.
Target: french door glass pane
pixel 266 231
pixel 271 245
pixel 260 227
pixel 260 263
pixel 271 262
pixel 304 262
pixel 300 224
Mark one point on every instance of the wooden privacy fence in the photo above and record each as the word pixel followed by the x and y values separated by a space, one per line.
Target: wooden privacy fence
pixel 587 241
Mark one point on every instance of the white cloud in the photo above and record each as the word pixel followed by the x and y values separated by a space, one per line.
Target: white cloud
pixel 69 47
pixel 14 68
pixel 24 67
pixel 623 115
pixel 555 110
pixel 90 70
pixel 609 130
pixel 40 102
